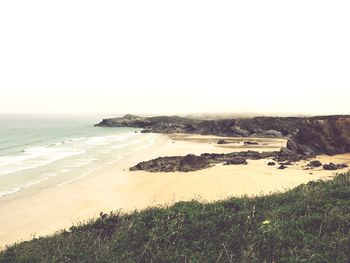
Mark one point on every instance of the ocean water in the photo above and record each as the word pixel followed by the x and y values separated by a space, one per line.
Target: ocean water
pixel 35 149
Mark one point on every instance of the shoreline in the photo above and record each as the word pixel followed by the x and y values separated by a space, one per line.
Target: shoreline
pixel 35 207
pixel 114 187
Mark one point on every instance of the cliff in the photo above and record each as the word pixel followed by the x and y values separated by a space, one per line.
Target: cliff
pixel 322 135
pixel 307 136
pixel 258 126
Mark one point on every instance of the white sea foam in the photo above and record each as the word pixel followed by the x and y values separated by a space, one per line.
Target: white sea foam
pixel 83 162
pixel 24 186
pixel 34 157
pixel 10 191
pixel 72 158
pixel 77 178
pixel 69 141
pixel 106 140
pixel 34 182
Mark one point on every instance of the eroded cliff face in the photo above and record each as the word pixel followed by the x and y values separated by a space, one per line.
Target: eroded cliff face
pixel 322 135
pixel 257 127
pixel 308 136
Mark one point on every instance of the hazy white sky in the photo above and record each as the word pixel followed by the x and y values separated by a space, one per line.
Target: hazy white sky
pixel 174 56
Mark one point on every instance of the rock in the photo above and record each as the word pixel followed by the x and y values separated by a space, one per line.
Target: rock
pixel 146 131
pixel 253 155
pixel 173 163
pixel 251 143
pixel 286 163
pixel 193 162
pixel 315 163
pixel 271 163
pixel 330 166
pixel 333 166
pixel 322 135
pixel 236 161
pixel 271 133
pixel 300 148
pixel 222 142
pixel 236 130
pixel 286 154
pixel 282 167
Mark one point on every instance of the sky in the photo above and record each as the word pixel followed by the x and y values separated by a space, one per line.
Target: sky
pixel 174 57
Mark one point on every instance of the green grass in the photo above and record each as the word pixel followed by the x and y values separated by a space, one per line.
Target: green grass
pixel 310 223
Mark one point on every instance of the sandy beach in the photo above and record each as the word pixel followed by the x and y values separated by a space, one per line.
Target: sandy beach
pixel 44 210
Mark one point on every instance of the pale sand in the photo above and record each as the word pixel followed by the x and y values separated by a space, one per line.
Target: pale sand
pixel 48 209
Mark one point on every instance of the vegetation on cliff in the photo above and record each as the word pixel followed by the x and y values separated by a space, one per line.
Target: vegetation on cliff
pixel 310 223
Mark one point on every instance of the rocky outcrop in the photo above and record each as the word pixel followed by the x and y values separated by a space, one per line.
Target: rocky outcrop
pixel 256 127
pixel 286 154
pixel 251 143
pixel 322 135
pixel 318 135
pixel 307 137
pixel 222 142
pixel 333 166
pixel 192 162
pixel 236 161
pixel 286 163
pixel 174 163
pixel 314 164
pixel 252 155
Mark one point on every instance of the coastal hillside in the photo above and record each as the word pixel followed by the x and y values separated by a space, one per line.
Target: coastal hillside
pixel 244 127
pixel 240 127
pixel 307 224
pixel 307 136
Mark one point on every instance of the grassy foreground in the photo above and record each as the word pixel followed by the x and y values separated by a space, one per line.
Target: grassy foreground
pixel 310 223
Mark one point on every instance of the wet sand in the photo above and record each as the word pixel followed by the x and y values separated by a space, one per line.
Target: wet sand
pixel 53 207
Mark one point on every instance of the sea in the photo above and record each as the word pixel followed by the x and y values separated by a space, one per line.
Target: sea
pixel 41 148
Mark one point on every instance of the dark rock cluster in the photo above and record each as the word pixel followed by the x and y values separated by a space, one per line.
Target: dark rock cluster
pixel 333 166
pixel 286 154
pixel 174 163
pixel 193 162
pixel 251 143
pixel 236 161
pixel 315 163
